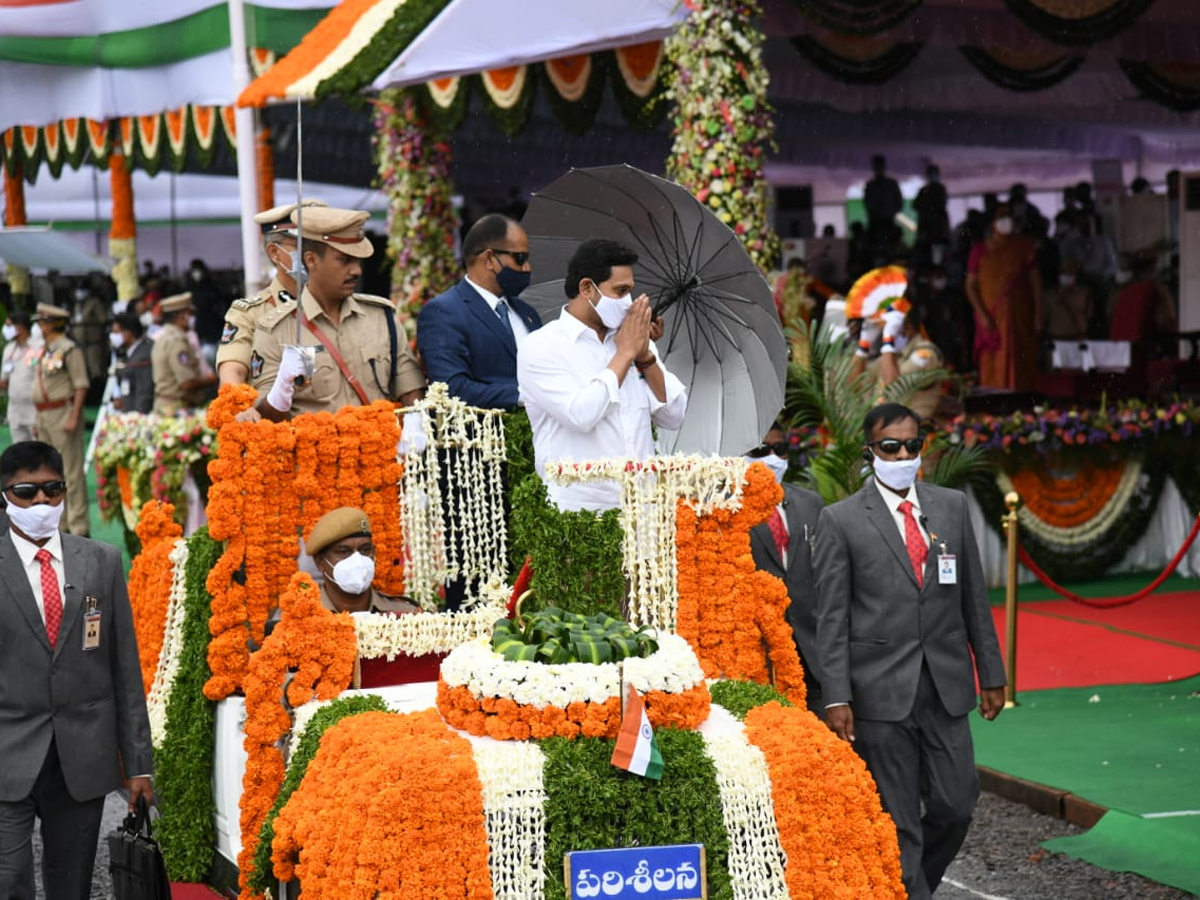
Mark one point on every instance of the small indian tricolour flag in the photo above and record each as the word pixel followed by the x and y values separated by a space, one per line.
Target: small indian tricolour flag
pixel 636 749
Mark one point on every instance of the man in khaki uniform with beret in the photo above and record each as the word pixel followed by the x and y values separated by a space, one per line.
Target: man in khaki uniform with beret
pixel 175 362
pixel 60 385
pixel 237 339
pixel 361 351
pixel 341 546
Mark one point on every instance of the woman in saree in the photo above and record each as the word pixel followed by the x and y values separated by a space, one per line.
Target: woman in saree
pixel 1004 286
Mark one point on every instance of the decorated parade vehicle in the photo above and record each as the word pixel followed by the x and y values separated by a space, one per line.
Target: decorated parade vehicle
pixel 506 774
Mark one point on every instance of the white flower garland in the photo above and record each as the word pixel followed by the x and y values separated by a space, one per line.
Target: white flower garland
pixel 472 541
pixel 418 634
pixel 1090 531
pixel 650 490
pixel 756 858
pixel 514 810
pixel 485 673
pixel 172 646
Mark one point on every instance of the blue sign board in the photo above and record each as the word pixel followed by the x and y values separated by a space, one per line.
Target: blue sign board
pixel 647 873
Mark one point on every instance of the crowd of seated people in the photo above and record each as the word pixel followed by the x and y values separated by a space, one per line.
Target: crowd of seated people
pixel 995 291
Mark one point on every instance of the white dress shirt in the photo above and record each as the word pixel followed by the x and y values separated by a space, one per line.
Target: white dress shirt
pixel 579 412
pixel 893 501
pixel 520 332
pixel 27 550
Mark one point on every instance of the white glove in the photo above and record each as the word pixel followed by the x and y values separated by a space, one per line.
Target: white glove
pixel 866 337
pixel 893 329
pixel 292 365
pixel 412 434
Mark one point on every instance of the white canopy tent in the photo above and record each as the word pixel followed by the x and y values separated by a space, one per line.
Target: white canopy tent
pixel 472 36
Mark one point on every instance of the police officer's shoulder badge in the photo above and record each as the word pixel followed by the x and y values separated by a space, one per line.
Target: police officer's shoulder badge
pixel 256 364
pixel 228 333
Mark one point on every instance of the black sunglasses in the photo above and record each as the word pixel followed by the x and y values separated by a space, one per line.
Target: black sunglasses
pixel 779 448
pixel 892 445
pixel 520 257
pixel 28 490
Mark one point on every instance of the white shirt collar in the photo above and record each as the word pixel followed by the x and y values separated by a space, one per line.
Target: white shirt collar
pixel 27 550
pixel 491 299
pixel 893 500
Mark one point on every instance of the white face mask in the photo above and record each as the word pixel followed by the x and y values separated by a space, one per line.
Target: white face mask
pixel 355 573
pixel 147 319
pixel 898 474
pixel 612 310
pixel 777 464
pixel 116 339
pixel 39 521
pixel 1124 276
pixel 1066 280
pixel 939 284
pixel 1003 226
pixel 9 332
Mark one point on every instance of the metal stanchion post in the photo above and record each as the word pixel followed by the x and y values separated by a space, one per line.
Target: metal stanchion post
pixel 1012 500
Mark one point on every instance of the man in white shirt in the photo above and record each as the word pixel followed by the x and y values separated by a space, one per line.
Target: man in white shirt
pixel 591 380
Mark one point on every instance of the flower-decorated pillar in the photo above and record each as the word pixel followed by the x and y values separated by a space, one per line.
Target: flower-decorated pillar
pixel 14 216
pixel 265 163
pixel 722 122
pixel 414 173
pixel 122 238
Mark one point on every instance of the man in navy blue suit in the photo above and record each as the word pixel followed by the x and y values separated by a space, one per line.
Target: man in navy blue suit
pixel 468 336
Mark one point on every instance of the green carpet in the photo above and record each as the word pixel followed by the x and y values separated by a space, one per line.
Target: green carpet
pixel 1164 850
pixel 1114 586
pixel 1134 749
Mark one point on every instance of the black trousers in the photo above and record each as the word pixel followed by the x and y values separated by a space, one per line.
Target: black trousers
pixel 70 833
pixel 926 759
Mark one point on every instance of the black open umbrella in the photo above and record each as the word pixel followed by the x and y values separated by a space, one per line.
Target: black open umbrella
pixel 721 330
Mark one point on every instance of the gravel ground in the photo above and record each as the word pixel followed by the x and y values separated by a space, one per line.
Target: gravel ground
pixel 1001 860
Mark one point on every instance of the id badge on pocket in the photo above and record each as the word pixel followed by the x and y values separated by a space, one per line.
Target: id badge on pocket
pixel 947 569
pixel 91 624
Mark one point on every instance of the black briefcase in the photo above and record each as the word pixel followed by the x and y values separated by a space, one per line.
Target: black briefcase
pixel 135 860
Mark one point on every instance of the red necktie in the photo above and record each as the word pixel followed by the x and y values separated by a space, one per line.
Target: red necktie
pixel 779 532
pixel 914 541
pixel 51 598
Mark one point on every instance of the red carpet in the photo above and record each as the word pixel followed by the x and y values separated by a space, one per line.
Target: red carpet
pixel 1063 644
pixel 181 891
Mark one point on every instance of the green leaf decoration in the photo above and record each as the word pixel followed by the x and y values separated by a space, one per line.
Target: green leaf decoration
pixel 739 697
pixel 183 765
pixel 591 805
pixel 555 636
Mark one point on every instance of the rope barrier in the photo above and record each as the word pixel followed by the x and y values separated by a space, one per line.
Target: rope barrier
pixel 1113 602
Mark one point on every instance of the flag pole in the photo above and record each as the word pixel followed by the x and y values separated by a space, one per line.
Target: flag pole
pixel 243 118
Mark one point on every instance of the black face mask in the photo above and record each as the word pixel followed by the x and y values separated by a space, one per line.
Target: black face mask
pixel 512 281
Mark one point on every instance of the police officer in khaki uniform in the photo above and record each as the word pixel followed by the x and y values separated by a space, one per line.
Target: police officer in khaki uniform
pixel 341 546
pixel 237 338
pixel 175 362
pixel 59 388
pixel 908 351
pixel 361 351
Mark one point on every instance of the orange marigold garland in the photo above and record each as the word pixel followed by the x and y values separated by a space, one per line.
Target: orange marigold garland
pixel 271 482
pixel 1071 501
pixel 732 614
pixel 838 840
pixel 391 806
pixel 506 720
pixel 150 583
pixel 320 647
